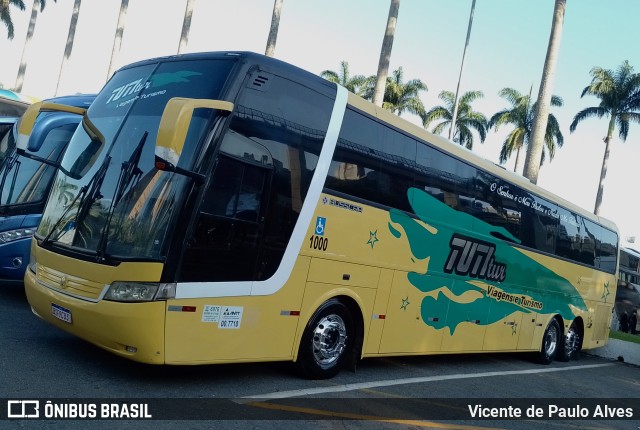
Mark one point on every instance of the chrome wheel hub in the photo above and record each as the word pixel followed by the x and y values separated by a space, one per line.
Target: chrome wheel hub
pixel 551 341
pixel 571 341
pixel 329 340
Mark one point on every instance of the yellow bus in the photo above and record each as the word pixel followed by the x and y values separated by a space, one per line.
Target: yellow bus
pixel 229 207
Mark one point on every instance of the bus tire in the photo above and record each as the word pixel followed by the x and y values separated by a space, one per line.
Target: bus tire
pixel 326 341
pixel 551 342
pixel 572 344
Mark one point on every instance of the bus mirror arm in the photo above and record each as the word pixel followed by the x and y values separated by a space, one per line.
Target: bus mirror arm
pixel 174 126
pixel 164 165
pixel 26 154
pixel 28 119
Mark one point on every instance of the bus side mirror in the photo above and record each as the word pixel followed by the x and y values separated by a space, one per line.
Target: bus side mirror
pixel 28 120
pixel 173 129
pixel 46 125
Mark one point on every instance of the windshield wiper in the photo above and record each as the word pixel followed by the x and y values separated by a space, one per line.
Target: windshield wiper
pixel 90 193
pixel 10 163
pixel 130 173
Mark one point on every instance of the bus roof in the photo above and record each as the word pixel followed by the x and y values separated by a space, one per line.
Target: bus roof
pixel 76 100
pixel 11 107
pixel 470 157
pixel 391 119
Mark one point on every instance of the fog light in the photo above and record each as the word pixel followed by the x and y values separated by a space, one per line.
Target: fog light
pixel 131 349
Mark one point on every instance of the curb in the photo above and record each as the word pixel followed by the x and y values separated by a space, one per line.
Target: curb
pixel 620 350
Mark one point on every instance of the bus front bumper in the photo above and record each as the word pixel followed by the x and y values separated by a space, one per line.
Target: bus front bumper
pixel 131 330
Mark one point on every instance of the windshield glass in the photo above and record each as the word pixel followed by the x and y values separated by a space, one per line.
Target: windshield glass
pixel 24 180
pixel 108 197
pixel 7 146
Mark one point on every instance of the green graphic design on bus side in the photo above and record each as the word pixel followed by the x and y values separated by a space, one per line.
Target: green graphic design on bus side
pixel 478 264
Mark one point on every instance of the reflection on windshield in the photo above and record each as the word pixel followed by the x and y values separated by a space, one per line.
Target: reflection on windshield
pixel 7 146
pixel 24 180
pixel 109 199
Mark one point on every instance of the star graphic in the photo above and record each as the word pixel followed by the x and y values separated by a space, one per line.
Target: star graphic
pixel 606 292
pixel 373 238
pixel 514 329
pixel 405 303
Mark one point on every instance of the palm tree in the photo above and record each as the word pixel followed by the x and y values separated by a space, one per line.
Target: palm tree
pixel 399 97
pixel 273 31
pixel 117 41
pixel 186 26
pixel 355 84
pixel 534 153
pixel 464 54
pixel 521 115
pixel 385 55
pixel 37 4
pixel 466 118
pixel 5 14
pixel 70 37
pixel 619 94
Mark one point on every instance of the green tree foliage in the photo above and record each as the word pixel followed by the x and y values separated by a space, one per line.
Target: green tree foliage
pixel 619 94
pixel 466 120
pixel 355 84
pixel 399 96
pixel 521 116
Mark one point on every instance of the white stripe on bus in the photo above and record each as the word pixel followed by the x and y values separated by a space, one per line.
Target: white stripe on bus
pixel 190 290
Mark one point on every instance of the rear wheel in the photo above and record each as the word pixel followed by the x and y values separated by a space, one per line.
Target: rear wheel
pixel 572 344
pixel 550 342
pixel 326 341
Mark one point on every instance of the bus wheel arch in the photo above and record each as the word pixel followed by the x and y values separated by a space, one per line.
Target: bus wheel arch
pixel 551 341
pixel 572 341
pixel 331 339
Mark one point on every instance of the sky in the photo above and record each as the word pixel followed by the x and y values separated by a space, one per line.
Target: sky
pixel 507 48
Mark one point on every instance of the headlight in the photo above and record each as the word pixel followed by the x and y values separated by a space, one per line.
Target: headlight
pixel 122 291
pixel 21 233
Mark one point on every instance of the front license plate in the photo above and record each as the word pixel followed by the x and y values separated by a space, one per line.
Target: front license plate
pixel 61 313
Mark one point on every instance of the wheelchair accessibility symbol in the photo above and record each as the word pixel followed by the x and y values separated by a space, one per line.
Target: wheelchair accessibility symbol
pixel 320 224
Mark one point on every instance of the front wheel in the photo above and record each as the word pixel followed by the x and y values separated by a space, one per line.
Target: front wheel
pixel 326 341
pixel 572 344
pixel 550 342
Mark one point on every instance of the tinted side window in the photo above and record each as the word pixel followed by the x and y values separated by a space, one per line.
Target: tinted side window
pixel 608 250
pixel 372 162
pixel 577 238
pixel 568 245
pixel 225 243
pixel 539 224
pixel 30 179
pixel 589 236
pixel 446 178
pixel 266 162
pixel 496 204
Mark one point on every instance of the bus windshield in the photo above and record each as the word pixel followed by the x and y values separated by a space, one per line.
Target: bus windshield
pixel 108 198
pixel 24 180
pixel 7 145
